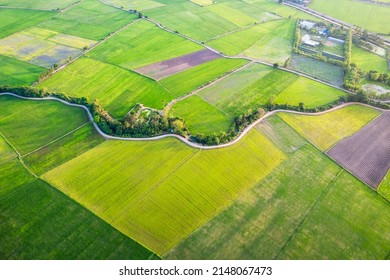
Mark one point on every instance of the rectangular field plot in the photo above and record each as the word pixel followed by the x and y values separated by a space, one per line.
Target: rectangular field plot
pixel 192 20
pixel 261 220
pixel 41 47
pixel 167 68
pixel 369 61
pixel 200 116
pixel 37 4
pixel 56 55
pixel 270 41
pixel 327 72
pixel 250 94
pixel 232 15
pixel 310 93
pixel 51 120
pixel 193 78
pixel 89 19
pixel 16 73
pixel 366 154
pixel 72 41
pixel 201 183
pixel 376 17
pixel 13 175
pixel 63 150
pixel 117 89
pixel 139 5
pixel 38 214
pixel 281 10
pixel 350 222
pixel 14 20
pixel 143 43
pixel 326 129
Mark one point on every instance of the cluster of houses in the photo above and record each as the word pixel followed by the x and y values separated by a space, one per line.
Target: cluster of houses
pixel 318 34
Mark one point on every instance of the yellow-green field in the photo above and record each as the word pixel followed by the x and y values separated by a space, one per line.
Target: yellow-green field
pixel 384 187
pixel 132 185
pixel 327 129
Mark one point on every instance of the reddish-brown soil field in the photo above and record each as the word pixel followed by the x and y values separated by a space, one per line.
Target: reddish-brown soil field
pixel 169 67
pixel 366 154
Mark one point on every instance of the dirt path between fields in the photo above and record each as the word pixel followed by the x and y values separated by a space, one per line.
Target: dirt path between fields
pixel 181 138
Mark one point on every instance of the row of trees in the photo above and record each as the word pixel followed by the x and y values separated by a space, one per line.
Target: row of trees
pixel 141 122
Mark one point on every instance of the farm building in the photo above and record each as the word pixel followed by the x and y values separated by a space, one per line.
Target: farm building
pixel 308 41
pixel 307 24
pixel 336 40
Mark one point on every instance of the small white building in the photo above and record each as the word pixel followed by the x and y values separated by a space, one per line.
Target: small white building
pixel 307 24
pixel 307 41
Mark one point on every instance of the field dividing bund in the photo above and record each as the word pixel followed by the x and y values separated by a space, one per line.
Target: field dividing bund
pixel 325 130
pixel 14 20
pixel 70 231
pixel 51 120
pixel 140 205
pixel 141 44
pixel 200 75
pixel 366 154
pixel 183 16
pixel 89 19
pixel 384 187
pixel 172 66
pixel 270 41
pixel 295 212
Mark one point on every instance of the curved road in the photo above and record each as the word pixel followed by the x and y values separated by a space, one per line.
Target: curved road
pixel 183 139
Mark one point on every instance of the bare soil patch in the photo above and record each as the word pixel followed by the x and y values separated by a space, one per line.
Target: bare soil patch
pixel 366 154
pixel 169 67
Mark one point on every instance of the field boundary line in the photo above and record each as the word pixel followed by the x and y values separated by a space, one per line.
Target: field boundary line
pixel 18 189
pixel 86 52
pixel 297 229
pixel 217 80
pixel 9 144
pixel 19 157
pixel 183 139
pixel 55 140
pixel 155 186
pixel 352 134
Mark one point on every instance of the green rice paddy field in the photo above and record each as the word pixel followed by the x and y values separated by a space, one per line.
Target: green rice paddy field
pixel 117 89
pixel 249 88
pixel 375 17
pixel 89 19
pixel 114 180
pixel 37 4
pixel 369 61
pixel 184 82
pixel 305 200
pixel 143 43
pixel 30 206
pixel 327 129
pixel 183 16
pixel 14 20
pixel 324 71
pixel 15 72
pixel 270 41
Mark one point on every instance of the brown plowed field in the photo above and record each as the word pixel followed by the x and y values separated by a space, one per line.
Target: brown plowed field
pixel 366 154
pixel 169 67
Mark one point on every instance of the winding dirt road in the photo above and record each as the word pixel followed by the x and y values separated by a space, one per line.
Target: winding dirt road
pixel 181 138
